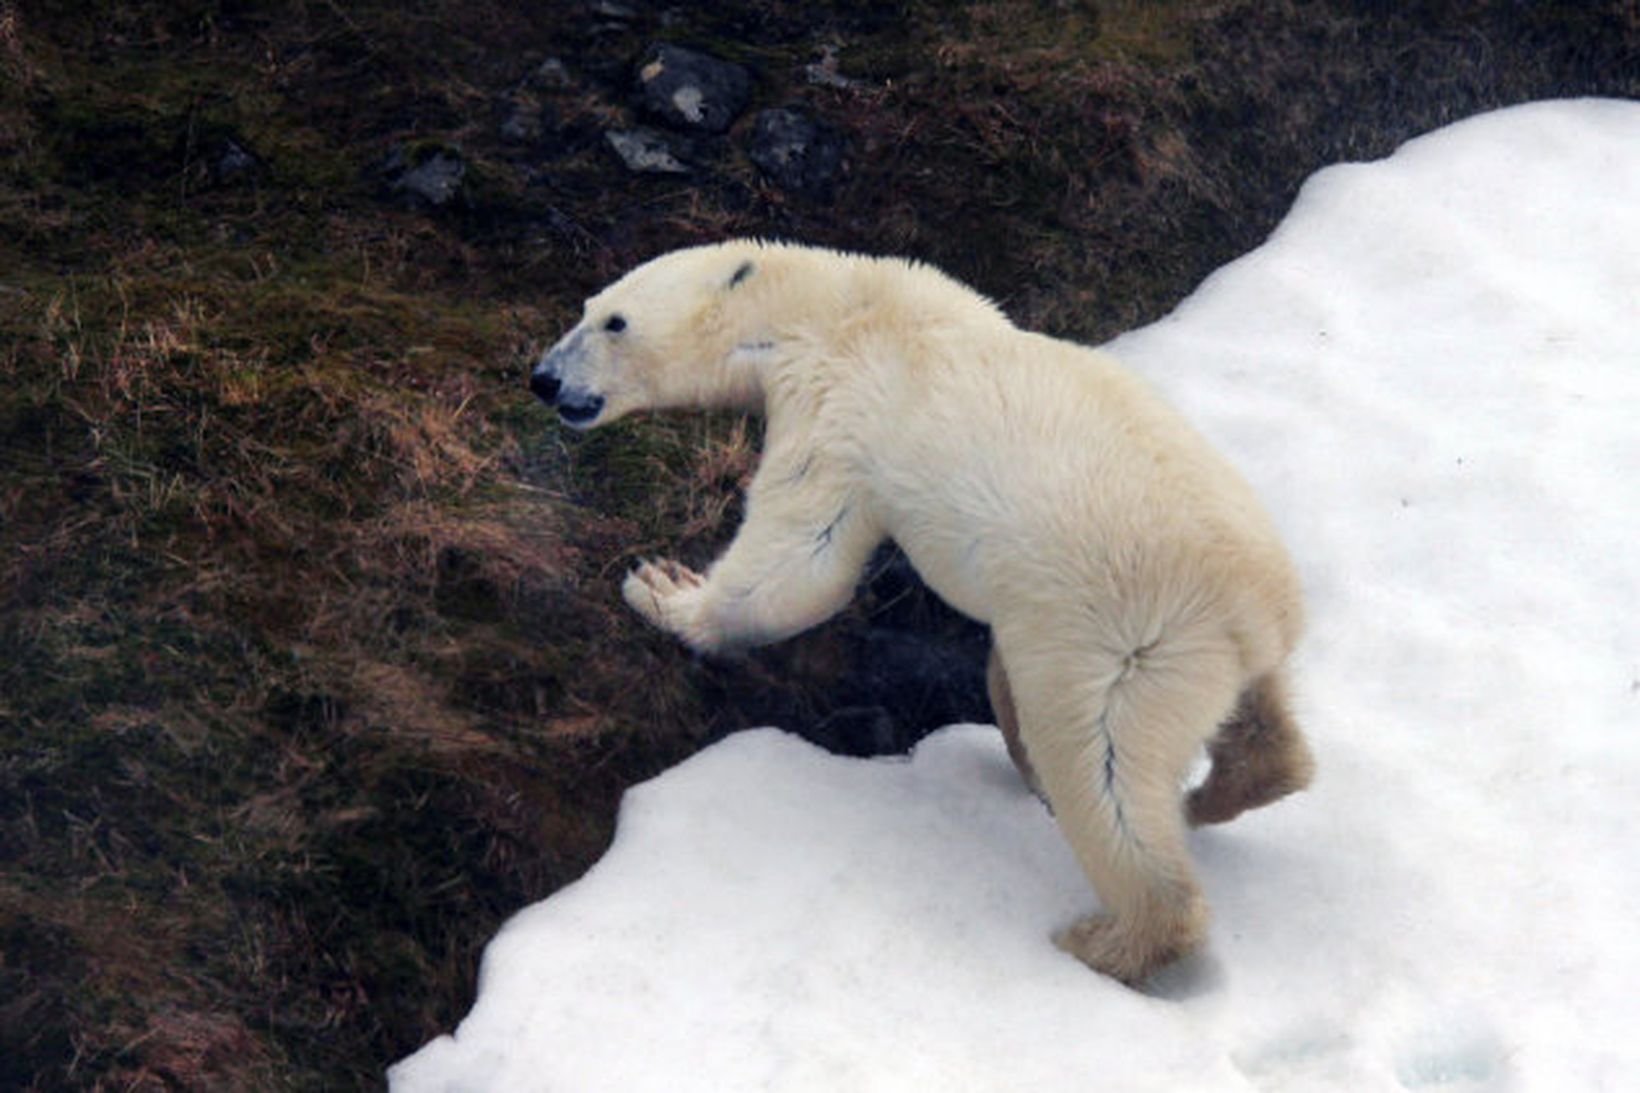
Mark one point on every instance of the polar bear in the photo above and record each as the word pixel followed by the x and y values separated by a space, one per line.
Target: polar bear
pixel 1139 600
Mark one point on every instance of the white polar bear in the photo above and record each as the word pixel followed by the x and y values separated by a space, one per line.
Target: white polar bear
pixel 1138 596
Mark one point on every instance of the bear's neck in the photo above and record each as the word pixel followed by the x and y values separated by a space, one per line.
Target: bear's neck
pixel 817 294
pixel 808 307
pixel 745 376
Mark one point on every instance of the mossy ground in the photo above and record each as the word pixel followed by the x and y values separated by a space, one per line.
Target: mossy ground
pixel 311 664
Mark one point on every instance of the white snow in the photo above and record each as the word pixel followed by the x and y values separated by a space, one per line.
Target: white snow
pixel 1431 371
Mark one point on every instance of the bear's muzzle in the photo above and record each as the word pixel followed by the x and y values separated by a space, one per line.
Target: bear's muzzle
pixel 575 406
pixel 545 387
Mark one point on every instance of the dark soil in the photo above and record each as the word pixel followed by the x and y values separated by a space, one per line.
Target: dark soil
pixel 312 663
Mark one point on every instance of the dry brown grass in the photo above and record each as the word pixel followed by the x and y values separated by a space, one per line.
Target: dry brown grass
pixel 312 666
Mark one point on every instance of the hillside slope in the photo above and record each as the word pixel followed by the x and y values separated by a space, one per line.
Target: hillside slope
pixel 312 666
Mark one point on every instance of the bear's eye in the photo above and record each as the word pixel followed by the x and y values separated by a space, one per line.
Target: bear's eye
pixel 615 324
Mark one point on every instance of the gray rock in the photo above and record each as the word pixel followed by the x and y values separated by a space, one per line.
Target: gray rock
pixel 824 71
pixel 645 151
pixel 795 151
pixel 522 123
pixel 431 176
pixel 235 160
pixel 611 9
pixel 692 90
pixel 551 75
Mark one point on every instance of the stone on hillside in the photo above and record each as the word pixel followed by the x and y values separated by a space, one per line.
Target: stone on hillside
pixel 615 11
pixel 551 75
pixel 522 123
pixel 795 151
pixel 824 71
pixel 645 151
pixel 429 175
pixel 693 90
pixel 233 160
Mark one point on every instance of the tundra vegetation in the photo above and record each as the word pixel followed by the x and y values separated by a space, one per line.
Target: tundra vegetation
pixel 312 661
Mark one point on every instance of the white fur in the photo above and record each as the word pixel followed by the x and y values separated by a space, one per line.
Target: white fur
pixel 1132 581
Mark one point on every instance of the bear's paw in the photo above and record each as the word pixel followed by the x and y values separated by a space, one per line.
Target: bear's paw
pixel 670 596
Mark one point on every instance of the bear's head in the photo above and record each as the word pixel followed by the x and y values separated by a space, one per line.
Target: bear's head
pixel 661 337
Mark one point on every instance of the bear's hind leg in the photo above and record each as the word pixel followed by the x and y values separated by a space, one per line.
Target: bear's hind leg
pixel 1259 756
pixel 1111 739
pixel 1002 706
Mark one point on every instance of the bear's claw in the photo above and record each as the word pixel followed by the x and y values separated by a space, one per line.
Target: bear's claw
pixel 665 593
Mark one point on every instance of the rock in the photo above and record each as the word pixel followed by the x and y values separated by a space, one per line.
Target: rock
pixel 645 151
pixel 437 181
pixel 522 123
pixel 522 110
pixel 692 90
pixel 824 71
pixel 551 75
pixel 795 151
pixel 233 161
pixel 430 175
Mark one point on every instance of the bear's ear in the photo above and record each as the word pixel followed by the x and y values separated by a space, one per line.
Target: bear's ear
pixel 746 270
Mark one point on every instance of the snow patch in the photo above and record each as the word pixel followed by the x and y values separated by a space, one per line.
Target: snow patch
pixel 1431 371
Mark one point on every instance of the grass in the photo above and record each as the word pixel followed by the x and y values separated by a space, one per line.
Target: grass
pixel 281 735
pixel 312 667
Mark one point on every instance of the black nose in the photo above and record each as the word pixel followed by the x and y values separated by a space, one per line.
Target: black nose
pixel 545 387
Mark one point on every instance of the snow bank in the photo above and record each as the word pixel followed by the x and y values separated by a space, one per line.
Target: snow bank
pixel 1432 373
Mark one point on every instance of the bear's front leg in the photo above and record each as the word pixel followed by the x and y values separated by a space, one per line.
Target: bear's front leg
pixel 793 564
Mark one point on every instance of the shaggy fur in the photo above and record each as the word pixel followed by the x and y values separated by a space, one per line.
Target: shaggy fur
pixel 1137 593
